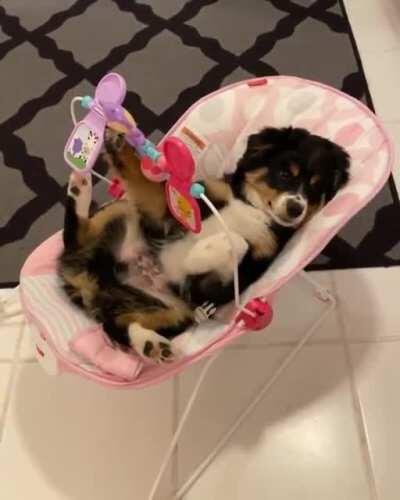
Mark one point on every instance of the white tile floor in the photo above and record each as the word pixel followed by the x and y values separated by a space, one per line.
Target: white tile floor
pixel 327 429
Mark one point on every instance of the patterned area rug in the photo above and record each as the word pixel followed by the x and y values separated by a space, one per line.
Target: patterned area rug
pixel 171 52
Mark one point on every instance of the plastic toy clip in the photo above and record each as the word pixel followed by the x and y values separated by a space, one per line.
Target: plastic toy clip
pixel 261 317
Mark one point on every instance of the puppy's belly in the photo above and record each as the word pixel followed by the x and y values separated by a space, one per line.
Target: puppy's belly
pixel 149 279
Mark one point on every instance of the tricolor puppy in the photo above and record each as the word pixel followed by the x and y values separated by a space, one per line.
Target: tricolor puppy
pixel 134 269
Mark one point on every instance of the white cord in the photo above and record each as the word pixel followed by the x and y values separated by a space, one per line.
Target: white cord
pixel 234 255
pixel 182 422
pixel 72 108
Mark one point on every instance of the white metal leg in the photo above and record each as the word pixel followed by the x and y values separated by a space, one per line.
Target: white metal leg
pixel 10 307
pixel 181 424
pixel 322 294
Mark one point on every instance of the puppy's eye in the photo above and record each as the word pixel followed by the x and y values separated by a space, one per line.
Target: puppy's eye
pixel 285 175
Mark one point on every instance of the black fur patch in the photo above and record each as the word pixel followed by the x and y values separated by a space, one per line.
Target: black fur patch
pixel 71 224
pixel 158 233
pixel 169 332
pixel 117 334
pixel 74 295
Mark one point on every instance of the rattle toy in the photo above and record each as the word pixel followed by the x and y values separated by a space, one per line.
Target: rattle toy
pixel 173 163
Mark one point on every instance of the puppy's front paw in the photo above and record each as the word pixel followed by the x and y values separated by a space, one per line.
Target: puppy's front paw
pixel 149 344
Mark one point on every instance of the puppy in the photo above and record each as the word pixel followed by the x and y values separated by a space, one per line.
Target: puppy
pixel 283 178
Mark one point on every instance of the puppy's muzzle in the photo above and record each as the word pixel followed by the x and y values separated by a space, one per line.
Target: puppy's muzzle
pixel 295 207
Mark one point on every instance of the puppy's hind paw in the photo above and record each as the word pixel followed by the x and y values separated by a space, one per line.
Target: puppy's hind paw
pixel 80 189
pixel 150 345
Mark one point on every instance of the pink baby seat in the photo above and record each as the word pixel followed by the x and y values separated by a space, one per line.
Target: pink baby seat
pixel 216 130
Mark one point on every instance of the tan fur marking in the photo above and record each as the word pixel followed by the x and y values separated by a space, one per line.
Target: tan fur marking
pixel 256 181
pixel 90 229
pixel 155 320
pixel 315 179
pixel 217 189
pixel 147 195
pixel 267 193
pixel 83 235
pixel 256 175
pixel 265 246
pixel 294 169
pixel 85 284
pixel 97 223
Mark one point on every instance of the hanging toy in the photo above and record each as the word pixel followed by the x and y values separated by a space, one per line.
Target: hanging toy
pixel 173 164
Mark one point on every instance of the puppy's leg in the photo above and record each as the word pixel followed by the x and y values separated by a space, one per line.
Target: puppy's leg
pixel 149 331
pixel 79 196
pixel 80 189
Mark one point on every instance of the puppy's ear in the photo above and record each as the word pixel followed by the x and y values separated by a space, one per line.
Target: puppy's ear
pixel 257 143
pixel 279 138
pixel 340 173
pixel 257 146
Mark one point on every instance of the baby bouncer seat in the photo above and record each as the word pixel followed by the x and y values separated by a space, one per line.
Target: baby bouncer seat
pixel 216 129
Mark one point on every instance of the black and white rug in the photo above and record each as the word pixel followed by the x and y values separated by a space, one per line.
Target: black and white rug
pixel 171 52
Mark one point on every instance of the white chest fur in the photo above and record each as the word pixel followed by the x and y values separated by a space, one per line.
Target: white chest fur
pixel 246 221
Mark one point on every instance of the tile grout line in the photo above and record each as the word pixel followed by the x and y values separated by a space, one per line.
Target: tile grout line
pixel 175 418
pixel 392 122
pixel 381 340
pixel 357 406
pixel 365 57
pixel 11 380
pixel 322 342
pixel 4 361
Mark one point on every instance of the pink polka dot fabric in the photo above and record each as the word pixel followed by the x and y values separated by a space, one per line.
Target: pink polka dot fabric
pixel 221 123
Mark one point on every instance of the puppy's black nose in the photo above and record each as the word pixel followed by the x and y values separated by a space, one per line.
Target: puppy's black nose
pixel 294 208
